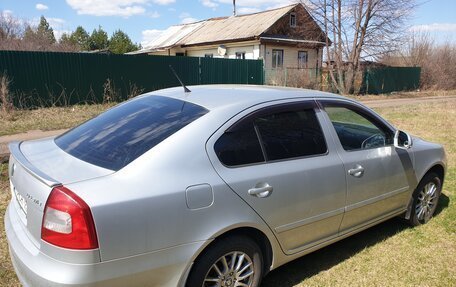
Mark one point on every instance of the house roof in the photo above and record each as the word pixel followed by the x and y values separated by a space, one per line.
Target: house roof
pixel 235 28
pixel 172 35
pixel 218 30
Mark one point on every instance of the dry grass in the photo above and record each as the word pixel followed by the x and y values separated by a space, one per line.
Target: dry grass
pixel 390 254
pixel 48 118
pixel 7 275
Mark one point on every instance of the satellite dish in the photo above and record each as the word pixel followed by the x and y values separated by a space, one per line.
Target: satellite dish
pixel 221 50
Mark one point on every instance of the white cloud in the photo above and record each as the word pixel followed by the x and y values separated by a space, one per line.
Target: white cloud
pixel 247 10
pixel 259 3
pixel 58 33
pixel 41 7
pixel 154 14
pixel 123 8
pixel 150 35
pixel 184 15
pixel 164 2
pixel 189 20
pixel 435 27
pixel 55 22
pixel 7 13
pixel 209 3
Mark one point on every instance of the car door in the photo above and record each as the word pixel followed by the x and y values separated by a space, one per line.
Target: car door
pixel 377 184
pixel 276 158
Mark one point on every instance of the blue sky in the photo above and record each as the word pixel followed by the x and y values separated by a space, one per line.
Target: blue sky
pixel 143 19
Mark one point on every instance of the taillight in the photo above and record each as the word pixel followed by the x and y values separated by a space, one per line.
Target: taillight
pixel 67 221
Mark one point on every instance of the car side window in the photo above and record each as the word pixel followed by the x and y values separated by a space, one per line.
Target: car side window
pixel 239 146
pixel 356 131
pixel 290 134
pixel 273 133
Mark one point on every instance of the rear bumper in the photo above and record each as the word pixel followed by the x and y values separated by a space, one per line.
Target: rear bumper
pixel 167 267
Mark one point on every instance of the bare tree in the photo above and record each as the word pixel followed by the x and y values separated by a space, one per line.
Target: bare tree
pixel 436 59
pixel 359 29
pixel 11 31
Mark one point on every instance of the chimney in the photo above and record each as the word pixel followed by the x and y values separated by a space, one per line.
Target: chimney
pixel 234 8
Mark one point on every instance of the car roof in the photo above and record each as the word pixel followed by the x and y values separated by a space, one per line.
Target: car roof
pixel 215 96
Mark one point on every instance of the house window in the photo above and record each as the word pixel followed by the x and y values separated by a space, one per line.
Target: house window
pixel 208 55
pixel 277 59
pixel 292 19
pixel 180 54
pixel 302 59
pixel 240 55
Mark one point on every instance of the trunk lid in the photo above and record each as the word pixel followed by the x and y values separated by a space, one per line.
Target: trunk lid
pixel 35 168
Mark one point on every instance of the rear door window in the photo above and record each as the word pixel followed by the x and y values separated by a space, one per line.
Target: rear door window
pixel 274 133
pixel 117 137
pixel 290 134
pixel 239 146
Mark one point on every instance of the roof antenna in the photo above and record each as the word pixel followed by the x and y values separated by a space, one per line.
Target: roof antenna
pixel 182 84
pixel 234 8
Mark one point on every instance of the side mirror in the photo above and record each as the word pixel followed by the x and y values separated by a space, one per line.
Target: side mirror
pixel 402 140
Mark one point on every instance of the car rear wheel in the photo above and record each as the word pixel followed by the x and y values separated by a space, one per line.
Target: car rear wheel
pixel 230 262
pixel 425 199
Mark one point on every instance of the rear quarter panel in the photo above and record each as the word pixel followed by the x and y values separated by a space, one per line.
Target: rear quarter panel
pixel 143 207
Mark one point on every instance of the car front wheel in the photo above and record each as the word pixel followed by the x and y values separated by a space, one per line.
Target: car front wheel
pixel 425 199
pixel 230 262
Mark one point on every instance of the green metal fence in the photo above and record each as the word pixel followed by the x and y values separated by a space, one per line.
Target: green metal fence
pixel 49 78
pixel 390 79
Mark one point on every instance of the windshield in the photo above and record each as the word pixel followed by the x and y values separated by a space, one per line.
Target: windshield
pixel 117 137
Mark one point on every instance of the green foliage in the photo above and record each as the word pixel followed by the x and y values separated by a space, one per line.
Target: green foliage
pixel 120 43
pixel 44 31
pixel 80 37
pixel 65 39
pixel 42 36
pixel 98 40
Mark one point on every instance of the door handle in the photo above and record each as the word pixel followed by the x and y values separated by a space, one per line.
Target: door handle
pixel 261 190
pixel 357 171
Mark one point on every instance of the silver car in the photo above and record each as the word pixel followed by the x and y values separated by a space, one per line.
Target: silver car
pixel 214 187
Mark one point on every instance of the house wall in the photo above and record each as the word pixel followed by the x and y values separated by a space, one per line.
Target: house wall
pixel 251 50
pixel 290 56
pixel 306 28
pixel 254 50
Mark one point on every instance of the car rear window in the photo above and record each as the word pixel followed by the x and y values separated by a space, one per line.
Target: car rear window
pixel 117 137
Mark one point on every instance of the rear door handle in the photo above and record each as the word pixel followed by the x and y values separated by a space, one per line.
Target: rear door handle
pixel 357 171
pixel 261 190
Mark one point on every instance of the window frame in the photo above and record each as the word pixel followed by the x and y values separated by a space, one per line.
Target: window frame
pixel 293 20
pixel 274 63
pixel 241 54
pixel 276 108
pixel 307 59
pixel 371 116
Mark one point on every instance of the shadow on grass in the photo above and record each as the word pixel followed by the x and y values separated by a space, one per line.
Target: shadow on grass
pixel 444 202
pixel 296 271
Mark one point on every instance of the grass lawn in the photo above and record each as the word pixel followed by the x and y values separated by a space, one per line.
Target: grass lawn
pixel 390 254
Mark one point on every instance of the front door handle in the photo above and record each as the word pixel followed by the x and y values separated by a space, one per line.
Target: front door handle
pixel 261 190
pixel 357 171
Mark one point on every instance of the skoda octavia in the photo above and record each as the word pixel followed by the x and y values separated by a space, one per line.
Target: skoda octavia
pixel 214 187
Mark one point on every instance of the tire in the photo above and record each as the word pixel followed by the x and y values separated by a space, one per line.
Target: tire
pixel 242 249
pixel 425 199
